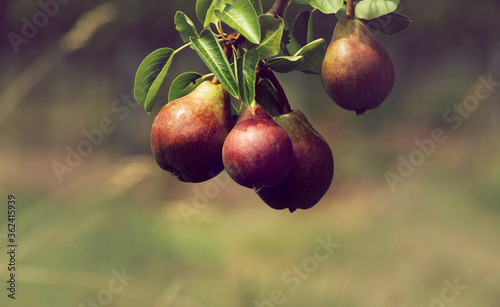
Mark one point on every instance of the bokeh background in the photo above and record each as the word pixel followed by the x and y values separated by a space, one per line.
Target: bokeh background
pixel 433 239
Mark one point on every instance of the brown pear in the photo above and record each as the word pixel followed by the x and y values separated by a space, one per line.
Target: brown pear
pixel 357 71
pixel 188 133
pixel 257 153
pixel 312 171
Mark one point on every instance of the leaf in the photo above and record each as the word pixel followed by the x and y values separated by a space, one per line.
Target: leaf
pixel 342 12
pixel 268 97
pixel 257 5
pixel 326 6
pixel 300 28
pixel 205 11
pixel 389 24
pixel 210 51
pixel 292 45
pixel 247 65
pixel 371 9
pixel 271 34
pixel 202 7
pixel 185 26
pixel 285 64
pixel 150 75
pixel 313 54
pixel 241 16
pixel 184 84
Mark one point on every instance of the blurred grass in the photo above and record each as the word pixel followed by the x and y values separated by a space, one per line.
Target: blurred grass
pixel 396 249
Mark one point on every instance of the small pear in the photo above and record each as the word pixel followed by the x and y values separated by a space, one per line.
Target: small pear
pixel 312 170
pixel 257 153
pixel 188 133
pixel 357 71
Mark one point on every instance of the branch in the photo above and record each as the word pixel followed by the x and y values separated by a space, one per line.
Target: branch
pixel 278 8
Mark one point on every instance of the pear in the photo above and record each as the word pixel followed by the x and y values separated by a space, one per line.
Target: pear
pixel 357 71
pixel 257 153
pixel 188 133
pixel 312 171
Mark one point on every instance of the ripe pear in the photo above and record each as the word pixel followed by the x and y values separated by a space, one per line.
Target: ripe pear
pixel 312 170
pixel 257 153
pixel 188 133
pixel 357 71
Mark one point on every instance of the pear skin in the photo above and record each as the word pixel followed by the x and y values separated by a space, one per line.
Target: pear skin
pixel 357 72
pixel 257 152
pixel 188 133
pixel 312 171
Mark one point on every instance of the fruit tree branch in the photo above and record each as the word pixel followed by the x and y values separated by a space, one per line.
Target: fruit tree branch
pixel 278 8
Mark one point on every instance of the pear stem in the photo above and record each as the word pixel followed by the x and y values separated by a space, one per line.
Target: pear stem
pixel 278 8
pixel 350 9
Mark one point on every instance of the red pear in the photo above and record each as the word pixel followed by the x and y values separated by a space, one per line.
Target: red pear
pixel 257 153
pixel 188 133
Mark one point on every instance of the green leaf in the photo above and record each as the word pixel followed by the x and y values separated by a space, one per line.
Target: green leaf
pixel 326 6
pixel 313 54
pixel 202 7
pixel 342 12
pixel 271 33
pixel 247 65
pixel 301 29
pixel 210 51
pixel 185 26
pixel 205 11
pixel 150 75
pixel 371 9
pixel 292 45
pixel 241 16
pixel 285 64
pixel 268 97
pixel 389 24
pixel 184 84
pixel 257 5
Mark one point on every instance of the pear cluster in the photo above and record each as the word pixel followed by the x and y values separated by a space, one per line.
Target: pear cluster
pixel 284 159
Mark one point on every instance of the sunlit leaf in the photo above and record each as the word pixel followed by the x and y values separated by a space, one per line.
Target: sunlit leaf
pixel 312 53
pixel 257 5
pixel 185 26
pixel 150 76
pixel 371 9
pixel 241 16
pixel 184 84
pixel 326 6
pixel 247 65
pixel 271 33
pixel 211 52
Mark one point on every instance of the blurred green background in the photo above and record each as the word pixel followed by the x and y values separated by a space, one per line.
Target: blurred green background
pixel 431 240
